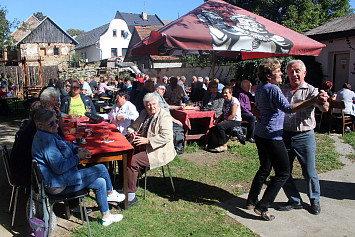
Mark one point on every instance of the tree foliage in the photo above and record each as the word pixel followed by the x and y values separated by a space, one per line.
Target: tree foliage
pixel 39 16
pixel 74 32
pixel 5 29
pixel 298 15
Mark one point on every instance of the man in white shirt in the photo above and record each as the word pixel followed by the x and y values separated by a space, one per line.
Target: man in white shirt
pixel 86 89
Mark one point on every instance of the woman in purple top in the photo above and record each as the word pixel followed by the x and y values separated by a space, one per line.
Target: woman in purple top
pixel 272 105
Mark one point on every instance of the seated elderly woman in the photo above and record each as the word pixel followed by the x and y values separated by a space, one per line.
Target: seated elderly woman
pixel 152 135
pixel 123 113
pixel 58 161
pixel 213 100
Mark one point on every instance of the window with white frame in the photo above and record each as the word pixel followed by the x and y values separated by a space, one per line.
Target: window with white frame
pixel 114 33
pixel 113 52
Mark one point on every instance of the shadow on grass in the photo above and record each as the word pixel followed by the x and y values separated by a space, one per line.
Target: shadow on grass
pixel 197 192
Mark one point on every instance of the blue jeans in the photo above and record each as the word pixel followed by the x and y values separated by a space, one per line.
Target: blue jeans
pixel 251 124
pixel 97 178
pixel 302 145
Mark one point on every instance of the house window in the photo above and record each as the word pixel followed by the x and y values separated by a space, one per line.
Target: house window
pixel 113 52
pixel 42 52
pixel 123 34
pixel 124 51
pixel 56 50
pixel 114 33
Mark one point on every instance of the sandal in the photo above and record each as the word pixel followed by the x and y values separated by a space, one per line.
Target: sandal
pixel 264 214
pixel 220 149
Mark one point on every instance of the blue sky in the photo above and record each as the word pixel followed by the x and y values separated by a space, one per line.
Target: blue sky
pixel 87 15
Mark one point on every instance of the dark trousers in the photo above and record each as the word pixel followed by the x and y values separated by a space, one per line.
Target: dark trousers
pixel 251 124
pixel 221 128
pixel 272 154
pixel 139 161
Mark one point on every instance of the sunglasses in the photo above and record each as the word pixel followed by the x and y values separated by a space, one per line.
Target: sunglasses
pixel 51 124
pixel 76 87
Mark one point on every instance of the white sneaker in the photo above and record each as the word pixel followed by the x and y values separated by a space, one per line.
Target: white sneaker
pixel 116 197
pixel 111 219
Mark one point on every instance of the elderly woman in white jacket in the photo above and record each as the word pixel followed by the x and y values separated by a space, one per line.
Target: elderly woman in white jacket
pixel 123 113
pixel 153 131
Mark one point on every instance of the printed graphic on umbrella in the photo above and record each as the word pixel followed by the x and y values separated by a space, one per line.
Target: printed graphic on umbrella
pixel 227 30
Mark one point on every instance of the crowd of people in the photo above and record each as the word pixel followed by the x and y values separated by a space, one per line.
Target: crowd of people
pixel 279 120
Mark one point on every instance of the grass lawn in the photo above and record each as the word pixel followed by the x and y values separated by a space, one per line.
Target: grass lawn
pixel 350 138
pixel 194 210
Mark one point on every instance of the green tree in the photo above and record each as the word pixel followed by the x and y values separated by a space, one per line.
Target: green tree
pixel 39 16
pixel 298 15
pixel 5 29
pixel 74 32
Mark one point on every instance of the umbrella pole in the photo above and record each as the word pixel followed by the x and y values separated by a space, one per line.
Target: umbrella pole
pixel 213 64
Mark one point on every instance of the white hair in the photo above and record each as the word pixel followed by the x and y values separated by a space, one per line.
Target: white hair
pixel 149 97
pixel 296 61
pixel 48 93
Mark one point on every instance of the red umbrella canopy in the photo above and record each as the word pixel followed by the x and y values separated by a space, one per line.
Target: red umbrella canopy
pixel 228 30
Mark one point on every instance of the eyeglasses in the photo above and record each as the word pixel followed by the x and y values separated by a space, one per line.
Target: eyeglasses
pixel 75 87
pixel 51 124
pixel 164 89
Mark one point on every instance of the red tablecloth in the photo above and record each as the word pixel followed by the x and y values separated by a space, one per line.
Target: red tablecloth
pixel 94 143
pixel 185 115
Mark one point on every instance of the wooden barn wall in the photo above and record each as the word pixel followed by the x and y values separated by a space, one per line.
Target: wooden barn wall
pixel 48 32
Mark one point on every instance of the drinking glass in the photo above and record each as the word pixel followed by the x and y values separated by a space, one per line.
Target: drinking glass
pixel 74 119
pixel 80 133
pixel 106 134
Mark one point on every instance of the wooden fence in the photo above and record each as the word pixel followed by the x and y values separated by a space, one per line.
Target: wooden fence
pixel 15 75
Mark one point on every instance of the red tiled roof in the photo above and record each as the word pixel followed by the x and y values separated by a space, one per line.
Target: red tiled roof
pixel 144 31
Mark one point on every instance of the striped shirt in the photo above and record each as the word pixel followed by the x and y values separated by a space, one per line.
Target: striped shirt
pixel 304 120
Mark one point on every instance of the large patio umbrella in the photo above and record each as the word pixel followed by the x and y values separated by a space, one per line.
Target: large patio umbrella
pixel 226 30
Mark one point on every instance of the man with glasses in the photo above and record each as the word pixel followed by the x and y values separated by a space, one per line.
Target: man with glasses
pixel 76 102
pixel 178 130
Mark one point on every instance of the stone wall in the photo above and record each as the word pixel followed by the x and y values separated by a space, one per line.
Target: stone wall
pixel 33 51
pixel 223 73
pixel 90 70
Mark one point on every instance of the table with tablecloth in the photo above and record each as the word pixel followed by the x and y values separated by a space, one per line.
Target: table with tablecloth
pixel 205 119
pixel 117 149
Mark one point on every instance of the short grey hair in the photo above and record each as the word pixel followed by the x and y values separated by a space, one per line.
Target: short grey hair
pixel 42 116
pixel 149 97
pixel 296 61
pixel 48 93
pixel 183 78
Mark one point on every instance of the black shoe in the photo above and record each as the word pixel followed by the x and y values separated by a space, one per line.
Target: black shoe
pixel 315 208
pixel 179 150
pixel 251 140
pixel 76 210
pixel 289 206
pixel 133 202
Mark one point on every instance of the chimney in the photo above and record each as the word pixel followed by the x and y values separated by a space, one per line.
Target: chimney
pixel 144 16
